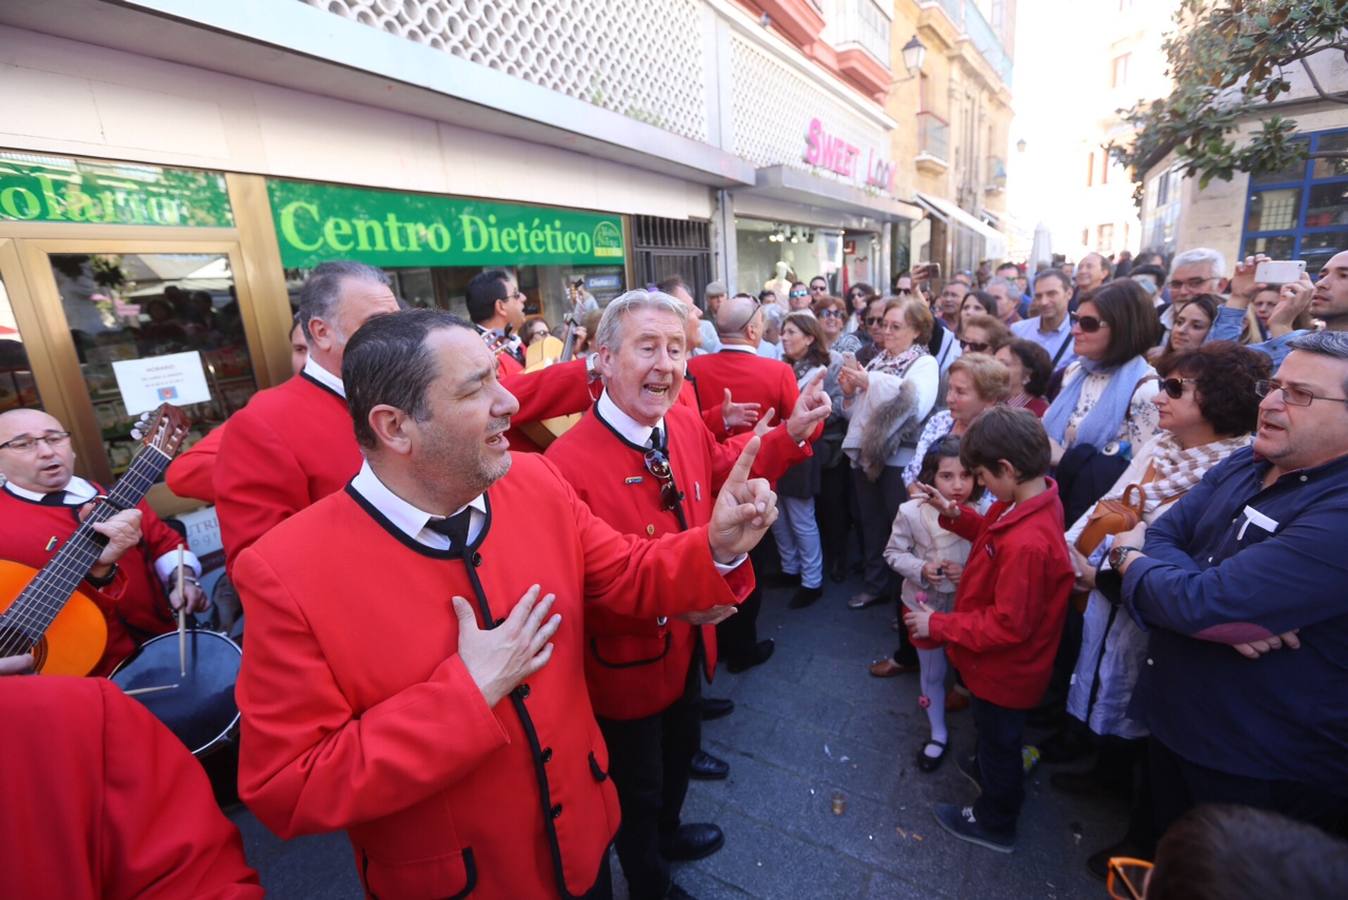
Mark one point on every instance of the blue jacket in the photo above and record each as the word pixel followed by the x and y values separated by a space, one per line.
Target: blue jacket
pixel 1228 326
pixel 1230 561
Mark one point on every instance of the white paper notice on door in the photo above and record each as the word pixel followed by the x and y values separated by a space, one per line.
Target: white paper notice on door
pixel 177 378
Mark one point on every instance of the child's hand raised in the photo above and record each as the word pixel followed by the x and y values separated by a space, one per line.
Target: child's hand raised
pixel 919 620
pixel 932 497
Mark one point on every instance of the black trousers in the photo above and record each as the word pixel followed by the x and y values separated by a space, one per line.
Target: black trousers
pixel 1001 732
pixel 833 511
pixel 737 636
pixel 1178 785
pixel 648 761
pixel 877 504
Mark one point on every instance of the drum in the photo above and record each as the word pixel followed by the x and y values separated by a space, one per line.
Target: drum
pixel 201 710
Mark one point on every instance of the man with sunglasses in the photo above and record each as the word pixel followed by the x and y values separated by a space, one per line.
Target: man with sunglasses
pixel 40 508
pixel 649 466
pixel 496 306
pixel 1253 557
pixel 818 289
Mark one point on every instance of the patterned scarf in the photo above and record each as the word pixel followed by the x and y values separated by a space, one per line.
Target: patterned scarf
pixel 891 364
pixel 1175 470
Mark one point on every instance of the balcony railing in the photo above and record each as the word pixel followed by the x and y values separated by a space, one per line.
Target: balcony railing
pixel 933 136
pixel 860 22
pixel 981 34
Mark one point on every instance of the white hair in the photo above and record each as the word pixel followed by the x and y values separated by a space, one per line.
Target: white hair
pixel 1201 255
pixel 609 332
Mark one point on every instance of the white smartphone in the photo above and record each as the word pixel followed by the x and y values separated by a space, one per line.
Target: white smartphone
pixel 1280 271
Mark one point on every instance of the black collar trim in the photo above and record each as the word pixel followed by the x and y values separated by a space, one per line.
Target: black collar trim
pixel 321 386
pixel 640 448
pixel 412 543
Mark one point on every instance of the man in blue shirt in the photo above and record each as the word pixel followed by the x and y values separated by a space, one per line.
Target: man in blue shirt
pixel 1051 329
pixel 1253 557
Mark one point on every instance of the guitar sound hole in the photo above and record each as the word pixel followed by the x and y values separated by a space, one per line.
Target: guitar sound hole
pixel 19 639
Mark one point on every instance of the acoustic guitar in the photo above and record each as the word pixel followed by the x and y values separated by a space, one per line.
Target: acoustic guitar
pixel 41 612
pixel 544 352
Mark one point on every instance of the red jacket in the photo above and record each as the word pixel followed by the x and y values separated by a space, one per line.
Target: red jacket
pixel 751 379
pixel 359 714
pixel 294 444
pixel 638 667
pixel 1012 598
pixel 134 604
pixel 101 802
pixel 192 473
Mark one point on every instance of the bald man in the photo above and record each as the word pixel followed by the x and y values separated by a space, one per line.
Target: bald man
pixel 41 505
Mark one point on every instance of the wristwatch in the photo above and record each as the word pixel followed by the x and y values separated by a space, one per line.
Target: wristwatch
pixel 1118 554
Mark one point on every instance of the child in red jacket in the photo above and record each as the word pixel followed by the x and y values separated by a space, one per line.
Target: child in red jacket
pixel 1009 610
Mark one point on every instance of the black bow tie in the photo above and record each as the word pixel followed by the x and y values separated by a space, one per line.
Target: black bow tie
pixel 455 527
pixel 55 498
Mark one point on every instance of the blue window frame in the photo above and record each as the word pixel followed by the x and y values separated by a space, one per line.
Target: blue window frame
pixel 1301 212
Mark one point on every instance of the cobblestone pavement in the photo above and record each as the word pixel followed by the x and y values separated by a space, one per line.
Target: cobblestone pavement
pixel 809 724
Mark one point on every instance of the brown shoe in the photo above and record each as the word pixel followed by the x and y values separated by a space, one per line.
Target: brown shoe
pixel 955 701
pixel 887 668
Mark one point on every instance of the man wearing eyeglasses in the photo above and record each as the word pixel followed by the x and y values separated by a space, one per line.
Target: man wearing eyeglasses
pixel 496 306
pixel 40 508
pixel 818 289
pixel 649 466
pixel 1253 557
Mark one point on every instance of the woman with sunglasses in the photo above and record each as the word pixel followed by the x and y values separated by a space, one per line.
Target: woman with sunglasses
pixel 858 296
pixel 1207 408
pixel 805 348
pixel 982 333
pixel 1106 396
pixel 886 403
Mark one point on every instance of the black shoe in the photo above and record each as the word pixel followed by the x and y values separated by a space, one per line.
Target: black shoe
pixel 705 767
pixel 927 763
pixel 837 573
pixel 1086 784
pixel 804 596
pixel 716 708
pixel 960 822
pixel 692 841
pixel 1064 746
pixel 677 893
pixel 760 654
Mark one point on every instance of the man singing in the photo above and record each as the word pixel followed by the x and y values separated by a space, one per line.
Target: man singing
pixel 649 466
pixel 407 679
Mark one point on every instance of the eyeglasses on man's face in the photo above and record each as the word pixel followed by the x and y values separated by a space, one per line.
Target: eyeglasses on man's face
pixel 1194 284
pixel 23 443
pixel 872 321
pixel 819 288
pixel 1291 394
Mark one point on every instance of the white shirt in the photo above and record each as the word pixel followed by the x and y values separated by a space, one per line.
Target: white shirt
pixel 79 492
pixel 739 348
pixel 323 376
pixel 411 520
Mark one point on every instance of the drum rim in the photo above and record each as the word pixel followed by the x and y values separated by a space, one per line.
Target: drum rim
pixel 173 635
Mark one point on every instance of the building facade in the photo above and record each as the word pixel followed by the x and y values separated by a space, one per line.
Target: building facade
pixel 170 171
pixel 956 117
pixel 1300 213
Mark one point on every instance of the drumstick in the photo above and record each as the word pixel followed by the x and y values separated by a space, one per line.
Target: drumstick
pixel 182 618
pixel 150 690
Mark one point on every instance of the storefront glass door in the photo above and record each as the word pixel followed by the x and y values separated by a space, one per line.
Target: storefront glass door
pixel 17 387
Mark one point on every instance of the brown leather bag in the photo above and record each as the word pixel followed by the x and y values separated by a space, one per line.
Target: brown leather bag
pixel 1112 517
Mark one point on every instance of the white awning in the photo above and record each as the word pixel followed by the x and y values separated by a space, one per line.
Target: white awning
pixel 950 212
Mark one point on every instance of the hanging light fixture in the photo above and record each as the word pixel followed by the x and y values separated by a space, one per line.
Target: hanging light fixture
pixel 914 54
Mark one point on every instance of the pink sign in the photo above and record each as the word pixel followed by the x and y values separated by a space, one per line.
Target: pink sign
pixel 833 153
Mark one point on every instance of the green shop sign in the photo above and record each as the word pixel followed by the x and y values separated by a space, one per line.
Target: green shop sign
pixel 315 222
pixel 38 188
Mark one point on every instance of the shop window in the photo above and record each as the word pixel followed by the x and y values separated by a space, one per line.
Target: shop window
pixel 1301 212
pixel 1105 242
pixel 17 389
pixel 124 308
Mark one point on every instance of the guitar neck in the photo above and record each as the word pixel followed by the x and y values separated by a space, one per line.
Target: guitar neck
pixel 48 593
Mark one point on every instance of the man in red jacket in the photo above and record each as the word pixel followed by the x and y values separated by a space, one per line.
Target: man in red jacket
pixel 739 370
pixel 453 738
pixel 40 506
pixel 648 466
pixel 293 444
pixel 101 802
pixel 1009 610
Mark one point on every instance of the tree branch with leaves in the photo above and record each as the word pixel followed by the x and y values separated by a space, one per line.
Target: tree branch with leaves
pixel 1228 60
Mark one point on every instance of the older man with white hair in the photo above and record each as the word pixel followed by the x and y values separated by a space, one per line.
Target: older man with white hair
pixel 648 466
